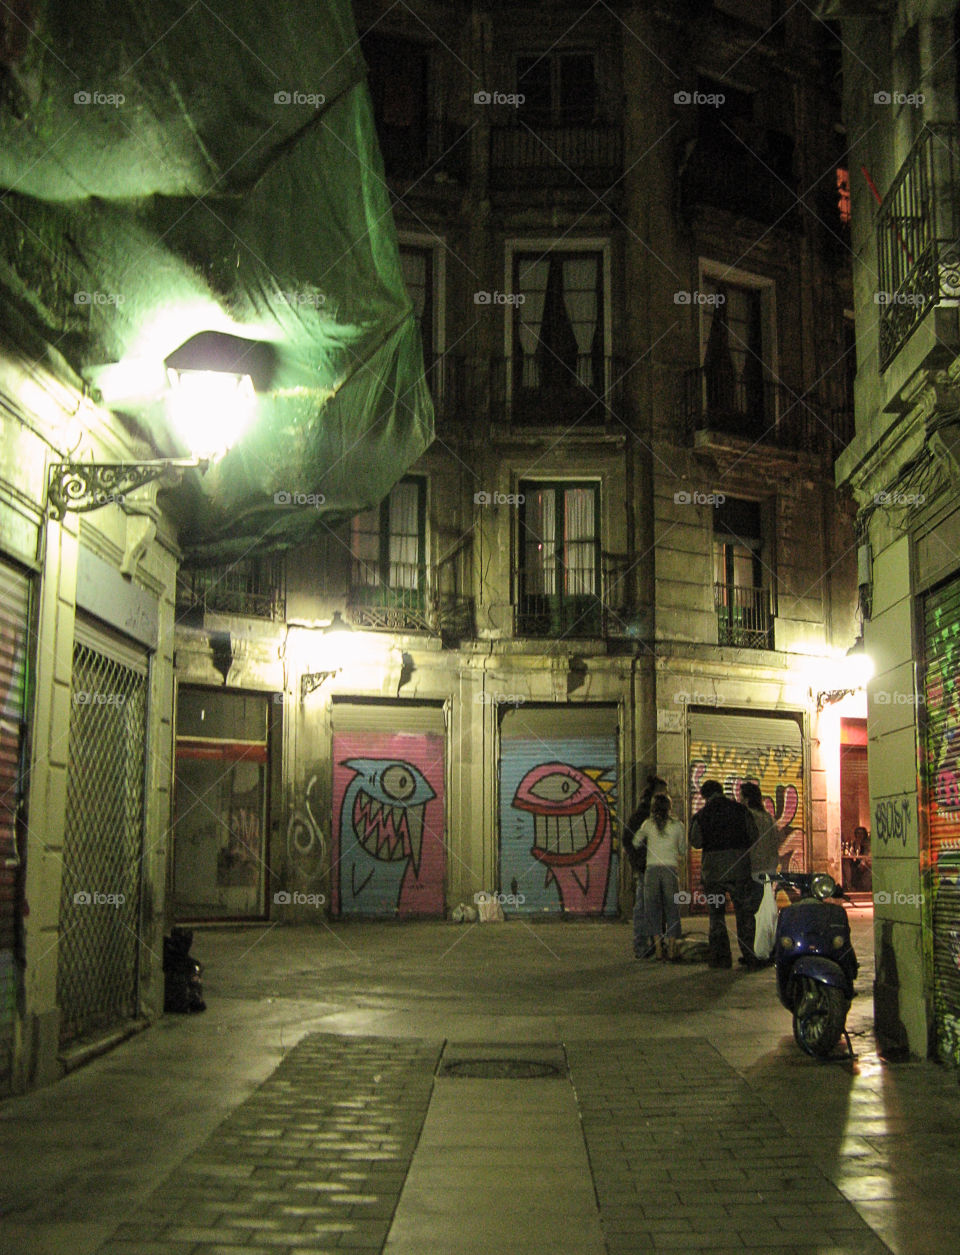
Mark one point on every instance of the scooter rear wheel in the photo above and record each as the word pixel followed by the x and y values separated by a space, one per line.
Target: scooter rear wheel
pixel 819 1014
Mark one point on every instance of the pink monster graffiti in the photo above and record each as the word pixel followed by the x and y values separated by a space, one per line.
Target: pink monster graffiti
pixel 571 831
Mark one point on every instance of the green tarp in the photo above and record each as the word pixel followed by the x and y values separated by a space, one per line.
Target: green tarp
pixel 172 168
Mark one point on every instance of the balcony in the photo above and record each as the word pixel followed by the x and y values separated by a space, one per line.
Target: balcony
pixel 918 239
pixel 425 150
pixel 578 614
pixel 555 156
pixel 749 175
pixel 409 602
pixel 252 587
pixel 767 413
pixel 744 617
pixel 545 392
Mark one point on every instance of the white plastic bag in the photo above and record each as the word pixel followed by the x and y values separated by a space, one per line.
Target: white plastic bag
pixel 766 924
pixel 489 908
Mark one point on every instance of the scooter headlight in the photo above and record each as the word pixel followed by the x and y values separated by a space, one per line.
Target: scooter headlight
pixel 822 886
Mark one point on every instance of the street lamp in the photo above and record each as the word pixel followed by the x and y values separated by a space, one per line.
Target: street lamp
pixel 210 399
pixel 335 634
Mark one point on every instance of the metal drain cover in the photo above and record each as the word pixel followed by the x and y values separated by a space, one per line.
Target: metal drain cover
pixel 501 1069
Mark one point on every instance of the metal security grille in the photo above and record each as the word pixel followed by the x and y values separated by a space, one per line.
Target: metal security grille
pixel 100 897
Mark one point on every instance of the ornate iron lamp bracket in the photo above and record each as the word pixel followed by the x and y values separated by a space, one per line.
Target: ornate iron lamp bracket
pixel 83 486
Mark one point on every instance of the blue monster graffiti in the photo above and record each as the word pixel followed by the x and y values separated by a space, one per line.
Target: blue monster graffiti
pixel 381 833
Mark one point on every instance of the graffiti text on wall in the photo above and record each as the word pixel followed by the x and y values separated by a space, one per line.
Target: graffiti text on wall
pixel 777 769
pixel 893 818
pixel 306 847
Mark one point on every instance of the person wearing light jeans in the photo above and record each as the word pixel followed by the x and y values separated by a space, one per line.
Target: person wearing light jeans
pixel 666 845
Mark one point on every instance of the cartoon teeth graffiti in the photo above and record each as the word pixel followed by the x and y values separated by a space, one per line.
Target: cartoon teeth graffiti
pixel 381 833
pixel 571 830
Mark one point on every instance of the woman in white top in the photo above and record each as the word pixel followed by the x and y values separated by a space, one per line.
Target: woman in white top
pixel 666 843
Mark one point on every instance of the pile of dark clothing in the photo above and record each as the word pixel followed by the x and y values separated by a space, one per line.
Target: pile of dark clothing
pixel 183 987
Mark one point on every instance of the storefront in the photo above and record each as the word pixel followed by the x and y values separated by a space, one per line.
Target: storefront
pixel 558 795
pixel 941 782
pixel 222 804
pixel 388 857
pixel 767 748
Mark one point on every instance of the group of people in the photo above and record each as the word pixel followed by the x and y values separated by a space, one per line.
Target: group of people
pixel 738 840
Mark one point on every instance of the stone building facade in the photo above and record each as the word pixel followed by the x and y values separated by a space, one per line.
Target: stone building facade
pixel 900 104
pixel 625 237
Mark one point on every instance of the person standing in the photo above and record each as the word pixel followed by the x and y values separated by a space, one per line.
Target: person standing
pixel 666 844
pixel 635 848
pixel 764 858
pixel 725 831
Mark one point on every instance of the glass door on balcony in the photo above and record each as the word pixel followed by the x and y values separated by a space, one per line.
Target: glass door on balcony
pixel 388 580
pixel 559 592
pixel 742 602
pixel 558 350
pixel 732 358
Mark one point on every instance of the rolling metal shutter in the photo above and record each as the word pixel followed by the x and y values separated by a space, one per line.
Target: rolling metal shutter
pixel 558 796
pixel 98 959
pixel 14 617
pixel 732 748
pixel 941 780
pixel 388 809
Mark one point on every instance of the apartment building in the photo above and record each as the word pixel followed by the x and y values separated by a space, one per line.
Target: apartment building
pixel 625 236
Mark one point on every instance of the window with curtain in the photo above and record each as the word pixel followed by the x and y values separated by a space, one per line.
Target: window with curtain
pixel 732 356
pixel 740 595
pixel 559 582
pixel 558 332
pixel 387 547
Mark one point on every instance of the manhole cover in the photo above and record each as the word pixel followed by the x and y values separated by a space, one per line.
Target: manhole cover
pixel 501 1069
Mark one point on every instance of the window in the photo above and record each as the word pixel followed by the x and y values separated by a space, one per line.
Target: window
pixel 388 551
pixel 559 590
pixel 559 88
pixel 558 335
pixel 736 355
pixel 417 266
pixel 398 82
pixel 742 603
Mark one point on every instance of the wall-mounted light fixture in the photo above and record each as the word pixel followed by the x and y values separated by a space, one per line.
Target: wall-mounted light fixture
pixel 334 636
pixel 855 668
pixel 210 400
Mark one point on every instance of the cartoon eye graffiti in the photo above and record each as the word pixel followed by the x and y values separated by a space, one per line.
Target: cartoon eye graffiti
pixel 398 783
pixel 556 787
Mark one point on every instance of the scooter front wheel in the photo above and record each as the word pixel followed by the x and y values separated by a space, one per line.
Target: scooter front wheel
pixel 819 1014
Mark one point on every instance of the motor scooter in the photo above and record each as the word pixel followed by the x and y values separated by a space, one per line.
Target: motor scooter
pixel 815 961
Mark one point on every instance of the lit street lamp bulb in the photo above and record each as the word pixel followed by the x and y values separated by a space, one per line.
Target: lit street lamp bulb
pixel 210 410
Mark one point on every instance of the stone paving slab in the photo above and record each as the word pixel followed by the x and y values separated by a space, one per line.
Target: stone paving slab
pixel 686 1156
pixel 313 1161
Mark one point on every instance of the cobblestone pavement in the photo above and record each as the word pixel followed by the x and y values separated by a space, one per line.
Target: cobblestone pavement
pixel 704 1167
pixel 287 1117
pixel 314 1161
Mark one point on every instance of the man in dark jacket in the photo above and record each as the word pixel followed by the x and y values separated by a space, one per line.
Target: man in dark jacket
pixel 724 830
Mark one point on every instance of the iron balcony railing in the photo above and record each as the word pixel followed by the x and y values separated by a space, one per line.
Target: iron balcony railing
pixel 541 390
pixel 579 613
pixel 765 412
pixel 254 587
pixel 555 156
pixel 918 238
pixel 744 616
pixel 409 598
